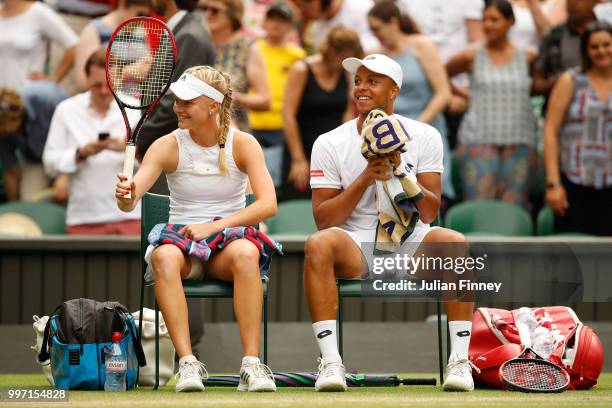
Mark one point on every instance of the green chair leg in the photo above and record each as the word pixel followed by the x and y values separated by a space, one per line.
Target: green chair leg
pixel 265 329
pixel 448 347
pixel 140 321
pixel 156 346
pixel 340 340
pixel 440 363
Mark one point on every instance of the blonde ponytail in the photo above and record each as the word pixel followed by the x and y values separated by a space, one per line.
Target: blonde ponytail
pixel 221 82
pixel 224 123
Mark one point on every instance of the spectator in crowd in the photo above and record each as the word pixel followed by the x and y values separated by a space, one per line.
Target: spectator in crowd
pixel 255 13
pixel 24 134
pixel 452 25
pixel 425 89
pixel 317 100
pixel 497 134
pixel 27 27
pixel 307 12
pixel 533 19
pixel 578 139
pixel 87 141
pixel 12 114
pixel 324 15
pixel 238 56
pixel 278 55
pixel 560 47
pixel 97 33
pixel 194 48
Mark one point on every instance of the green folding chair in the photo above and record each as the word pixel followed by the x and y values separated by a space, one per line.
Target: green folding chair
pixel 293 217
pixel 546 225
pixel 546 222
pixel 352 289
pixel 489 216
pixel 51 218
pixel 155 210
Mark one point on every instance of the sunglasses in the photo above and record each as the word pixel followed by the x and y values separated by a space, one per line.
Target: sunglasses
pixel 212 9
pixel 9 107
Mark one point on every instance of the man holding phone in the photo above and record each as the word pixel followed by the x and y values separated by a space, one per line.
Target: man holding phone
pixel 84 151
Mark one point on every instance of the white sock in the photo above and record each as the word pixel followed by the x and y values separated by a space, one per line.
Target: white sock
pixel 460 333
pixel 325 332
pixel 249 360
pixel 190 358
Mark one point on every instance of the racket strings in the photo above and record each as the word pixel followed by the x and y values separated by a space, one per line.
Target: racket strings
pixel 140 62
pixel 536 375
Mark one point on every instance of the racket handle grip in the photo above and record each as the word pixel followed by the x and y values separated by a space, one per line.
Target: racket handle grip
pixel 418 381
pixel 128 164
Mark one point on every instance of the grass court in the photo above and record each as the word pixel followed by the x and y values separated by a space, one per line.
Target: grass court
pixel 412 396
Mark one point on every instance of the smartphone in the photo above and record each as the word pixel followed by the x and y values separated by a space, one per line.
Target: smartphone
pixel 103 135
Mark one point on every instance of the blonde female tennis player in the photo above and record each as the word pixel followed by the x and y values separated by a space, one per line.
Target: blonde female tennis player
pixel 208 165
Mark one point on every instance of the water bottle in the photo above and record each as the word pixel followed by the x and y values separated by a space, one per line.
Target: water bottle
pixel 526 316
pixel 116 366
pixel 542 342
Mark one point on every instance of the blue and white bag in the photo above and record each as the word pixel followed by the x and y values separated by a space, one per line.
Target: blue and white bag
pixel 77 337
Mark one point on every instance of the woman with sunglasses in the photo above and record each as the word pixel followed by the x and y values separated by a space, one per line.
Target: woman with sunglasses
pixel 238 56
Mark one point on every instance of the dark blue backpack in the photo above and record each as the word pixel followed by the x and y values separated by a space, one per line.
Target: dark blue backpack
pixel 77 336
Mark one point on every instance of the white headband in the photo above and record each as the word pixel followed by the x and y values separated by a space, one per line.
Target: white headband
pixel 188 87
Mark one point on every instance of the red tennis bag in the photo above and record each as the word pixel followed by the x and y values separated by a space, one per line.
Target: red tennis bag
pixel 495 340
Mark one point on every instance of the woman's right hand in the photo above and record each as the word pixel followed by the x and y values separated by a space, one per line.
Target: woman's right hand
pixel 299 174
pixel 556 198
pixel 123 188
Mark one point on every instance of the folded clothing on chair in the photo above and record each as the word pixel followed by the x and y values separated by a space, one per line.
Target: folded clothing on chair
pixel 169 234
pixel 395 198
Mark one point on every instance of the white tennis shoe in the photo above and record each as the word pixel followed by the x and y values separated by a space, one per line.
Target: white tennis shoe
pixel 191 376
pixel 256 377
pixel 459 374
pixel 332 376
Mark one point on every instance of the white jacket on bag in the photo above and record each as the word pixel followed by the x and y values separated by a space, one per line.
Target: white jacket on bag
pixel 39 329
pixel 166 349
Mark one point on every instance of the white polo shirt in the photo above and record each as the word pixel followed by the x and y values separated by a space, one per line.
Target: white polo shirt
pixel 336 162
pixel 92 181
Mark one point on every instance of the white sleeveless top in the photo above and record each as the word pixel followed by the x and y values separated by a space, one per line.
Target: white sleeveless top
pixel 198 191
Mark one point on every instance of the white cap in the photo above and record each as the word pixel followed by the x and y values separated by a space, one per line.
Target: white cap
pixel 188 87
pixel 381 64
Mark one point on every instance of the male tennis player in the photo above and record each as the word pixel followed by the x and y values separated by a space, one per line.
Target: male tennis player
pixel 344 207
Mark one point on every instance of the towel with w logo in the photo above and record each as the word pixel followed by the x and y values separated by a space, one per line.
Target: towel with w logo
pixel 395 198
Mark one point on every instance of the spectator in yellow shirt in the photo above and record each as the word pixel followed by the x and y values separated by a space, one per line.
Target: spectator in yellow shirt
pixel 279 54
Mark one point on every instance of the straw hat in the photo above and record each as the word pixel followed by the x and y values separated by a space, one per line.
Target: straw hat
pixel 18 225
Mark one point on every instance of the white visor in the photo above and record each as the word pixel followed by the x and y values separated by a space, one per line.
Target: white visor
pixel 188 87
